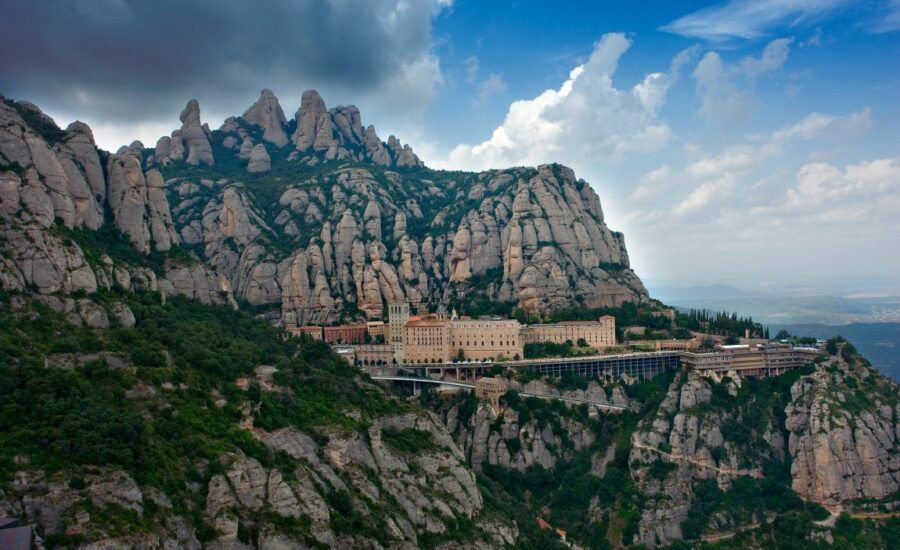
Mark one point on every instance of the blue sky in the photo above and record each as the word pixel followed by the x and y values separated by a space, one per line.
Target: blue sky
pixel 785 154
pixel 751 143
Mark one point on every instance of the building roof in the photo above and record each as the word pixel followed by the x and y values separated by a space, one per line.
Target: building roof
pixel 608 317
pixel 428 323
pixel 346 327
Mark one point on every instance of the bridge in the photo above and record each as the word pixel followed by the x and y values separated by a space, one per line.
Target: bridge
pixel 471 386
pixel 639 366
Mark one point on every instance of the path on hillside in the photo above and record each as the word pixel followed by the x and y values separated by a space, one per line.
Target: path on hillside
pixel 755 473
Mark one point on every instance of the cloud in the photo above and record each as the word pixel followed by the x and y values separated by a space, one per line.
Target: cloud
pixel 653 183
pixel 492 85
pixel 722 98
pixel 758 195
pixel 706 193
pixel 587 120
pixel 472 64
pixel 757 150
pixel 128 62
pixel 870 185
pixel 772 58
pixel 887 19
pixel 749 19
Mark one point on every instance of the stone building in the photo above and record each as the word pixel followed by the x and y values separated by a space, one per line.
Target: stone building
pixel 434 338
pixel 598 334
pixel 345 334
pixel 744 360
pixel 376 329
pixel 428 340
pixel 313 331
pixel 486 338
pixel 491 390
pixel 398 316
pixel 374 355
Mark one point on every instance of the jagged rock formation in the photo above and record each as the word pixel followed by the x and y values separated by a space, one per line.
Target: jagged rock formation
pixel 688 432
pixel 267 114
pixel 843 425
pixel 195 135
pixel 259 159
pixel 56 177
pixel 516 444
pixel 365 225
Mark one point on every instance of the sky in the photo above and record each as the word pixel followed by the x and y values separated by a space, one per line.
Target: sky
pixel 753 143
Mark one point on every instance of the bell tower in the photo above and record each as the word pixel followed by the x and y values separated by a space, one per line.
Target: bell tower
pixel 398 316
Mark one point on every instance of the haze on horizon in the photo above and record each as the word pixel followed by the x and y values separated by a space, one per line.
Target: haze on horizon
pixel 739 142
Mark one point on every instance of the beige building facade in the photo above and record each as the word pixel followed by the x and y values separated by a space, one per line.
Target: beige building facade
pixel 435 338
pixel 747 360
pixel 598 334
pixel 398 317
pixel 486 338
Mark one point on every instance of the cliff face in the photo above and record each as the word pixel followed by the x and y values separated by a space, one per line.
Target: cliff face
pixel 844 422
pixel 308 220
pixel 703 431
pixel 54 185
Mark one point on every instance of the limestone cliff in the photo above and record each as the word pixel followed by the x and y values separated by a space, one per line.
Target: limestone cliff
pixel 54 193
pixel 329 223
pixel 844 423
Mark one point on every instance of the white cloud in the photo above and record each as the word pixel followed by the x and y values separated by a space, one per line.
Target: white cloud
pixel 888 19
pixel 492 85
pixel 653 183
pixel 759 149
pixel 585 121
pixel 472 64
pixel 867 185
pixel 748 19
pixel 706 193
pixel 723 99
pixel 773 57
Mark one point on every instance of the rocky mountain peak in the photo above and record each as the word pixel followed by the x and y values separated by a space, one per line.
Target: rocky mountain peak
pixel 194 135
pixel 190 115
pixel 312 121
pixel 268 115
pixel 81 128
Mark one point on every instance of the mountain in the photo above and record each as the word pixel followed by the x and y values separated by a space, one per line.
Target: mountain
pixel 309 220
pixel 149 398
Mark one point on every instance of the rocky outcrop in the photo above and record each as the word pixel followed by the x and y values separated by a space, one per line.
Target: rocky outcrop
pixel 46 181
pixel 51 503
pixel 268 115
pixel 843 438
pixel 348 237
pixel 195 135
pixel 259 160
pixel 139 204
pixel 534 239
pixel 682 443
pixel 337 134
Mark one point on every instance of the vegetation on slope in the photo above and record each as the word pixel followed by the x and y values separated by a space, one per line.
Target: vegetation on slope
pixel 71 421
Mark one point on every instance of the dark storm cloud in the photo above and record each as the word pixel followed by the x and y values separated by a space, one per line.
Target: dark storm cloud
pixel 116 60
